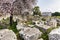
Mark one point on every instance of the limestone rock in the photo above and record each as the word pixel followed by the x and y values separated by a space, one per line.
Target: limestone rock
pixel 6 34
pixel 40 39
pixel 30 33
pixel 54 34
pixel 20 26
pixel 52 23
pixel 42 25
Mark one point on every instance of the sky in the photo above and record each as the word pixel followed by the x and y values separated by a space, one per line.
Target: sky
pixel 49 5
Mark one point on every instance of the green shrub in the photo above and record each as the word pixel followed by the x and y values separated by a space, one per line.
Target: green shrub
pixel 45 36
pixel 43 19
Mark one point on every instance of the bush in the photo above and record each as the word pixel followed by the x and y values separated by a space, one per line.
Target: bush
pixel 56 14
pixel 1 27
pixel 43 19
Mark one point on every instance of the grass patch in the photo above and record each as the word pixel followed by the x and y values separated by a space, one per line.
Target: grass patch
pixel 58 16
pixel 1 27
pixel 13 27
pixel 49 30
pixel 45 36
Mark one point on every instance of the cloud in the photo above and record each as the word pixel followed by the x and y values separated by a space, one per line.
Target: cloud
pixel 49 5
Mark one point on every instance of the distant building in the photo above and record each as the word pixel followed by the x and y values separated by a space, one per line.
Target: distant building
pixel 46 14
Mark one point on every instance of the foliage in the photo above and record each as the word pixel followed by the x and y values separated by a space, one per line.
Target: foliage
pixel 1 27
pixel 50 29
pixel 58 24
pixel 30 22
pixel 43 19
pixel 13 27
pixel 5 21
pixel 36 11
pixel 56 14
pixel 45 36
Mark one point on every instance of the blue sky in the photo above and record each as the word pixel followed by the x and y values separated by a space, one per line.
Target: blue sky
pixel 49 5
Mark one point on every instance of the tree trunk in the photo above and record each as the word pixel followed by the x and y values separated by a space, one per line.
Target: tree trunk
pixel 11 19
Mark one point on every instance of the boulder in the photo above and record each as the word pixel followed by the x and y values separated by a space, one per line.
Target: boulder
pixel 40 39
pixel 42 25
pixel 30 33
pixel 52 23
pixel 54 34
pixel 20 26
pixel 6 34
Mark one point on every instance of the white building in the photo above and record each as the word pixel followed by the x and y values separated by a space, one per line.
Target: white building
pixel 30 33
pixel 46 14
pixel 6 34
pixel 54 34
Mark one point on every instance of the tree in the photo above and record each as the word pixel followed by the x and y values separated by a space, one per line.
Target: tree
pixel 56 14
pixel 16 7
pixel 36 11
